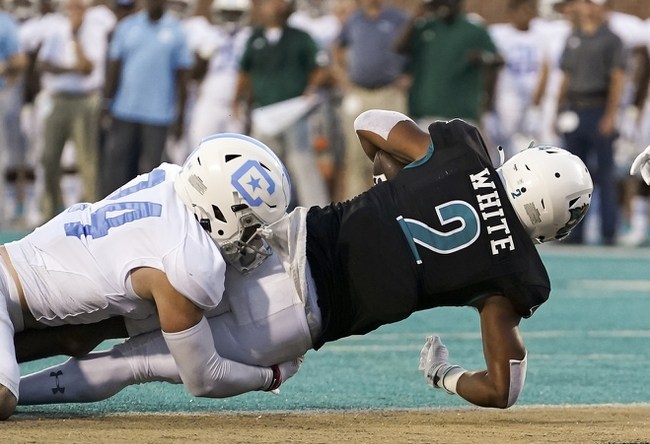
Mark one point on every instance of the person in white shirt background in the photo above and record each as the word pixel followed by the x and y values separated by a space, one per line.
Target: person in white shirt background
pixel 522 80
pixel 634 203
pixel 72 59
pixel 323 20
pixel 217 48
pixel 41 23
pixel 12 64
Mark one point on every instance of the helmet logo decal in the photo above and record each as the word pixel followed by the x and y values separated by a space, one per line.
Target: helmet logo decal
pixel 576 215
pixel 253 183
pixel 197 183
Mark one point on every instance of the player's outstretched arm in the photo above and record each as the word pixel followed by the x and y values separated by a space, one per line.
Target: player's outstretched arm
pixel 189 338
pixel 392 132
pixel 501 383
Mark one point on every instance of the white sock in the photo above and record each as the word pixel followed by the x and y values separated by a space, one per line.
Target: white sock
pixel 94 377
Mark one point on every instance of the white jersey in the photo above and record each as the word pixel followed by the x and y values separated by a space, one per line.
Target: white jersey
pixel 629 28
pixel 34 30
pixel 58 48
pixel 198 32
pixel 212 111
pixel 101 17
pixel 524 52
pixel 76 268
pixel 221 79
pixel 555 33
pixel 324 29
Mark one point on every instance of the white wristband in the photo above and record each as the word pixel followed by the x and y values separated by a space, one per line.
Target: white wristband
pixel 449 379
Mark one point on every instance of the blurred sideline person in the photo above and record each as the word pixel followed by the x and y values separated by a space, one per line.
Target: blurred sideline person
pixel 633 198
pixel 12 63
pixel 453 63
pixel 156 246
pixel 145 92
pixel 72 60
pixel 323 21
pixel 521 82
pixel 216 70
pixel 371 75
pixel 43 20
pixel 280 63
pixel 588 104
pixel 400 247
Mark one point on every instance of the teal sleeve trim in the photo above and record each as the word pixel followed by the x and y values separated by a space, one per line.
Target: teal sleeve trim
pixel 424 160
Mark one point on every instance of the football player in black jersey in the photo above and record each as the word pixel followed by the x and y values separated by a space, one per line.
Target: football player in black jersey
pixel 449 229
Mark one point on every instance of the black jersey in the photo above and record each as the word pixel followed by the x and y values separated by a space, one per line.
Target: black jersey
pixel 442 232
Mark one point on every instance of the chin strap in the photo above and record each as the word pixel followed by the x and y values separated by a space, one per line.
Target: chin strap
pixel 502 156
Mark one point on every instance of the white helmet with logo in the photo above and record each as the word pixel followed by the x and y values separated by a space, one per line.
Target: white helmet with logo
pixel 235 185
pixel 549 188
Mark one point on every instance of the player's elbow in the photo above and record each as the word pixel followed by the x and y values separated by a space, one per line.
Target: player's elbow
pixel 506 390
pixel 203 389
pixel 500 400
pixel 207 387
pixel 505 396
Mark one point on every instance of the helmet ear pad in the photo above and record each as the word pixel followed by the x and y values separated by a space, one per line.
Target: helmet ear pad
pixel 550 190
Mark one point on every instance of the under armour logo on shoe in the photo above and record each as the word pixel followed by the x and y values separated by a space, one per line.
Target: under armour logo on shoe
pixel 58 388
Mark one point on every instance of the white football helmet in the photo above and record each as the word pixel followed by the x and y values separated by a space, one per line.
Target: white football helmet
pixel 232 5
pixel 231 14
pixel 549 188
pixel 235 185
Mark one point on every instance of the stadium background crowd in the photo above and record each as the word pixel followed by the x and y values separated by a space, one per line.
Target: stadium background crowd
pixel 94 92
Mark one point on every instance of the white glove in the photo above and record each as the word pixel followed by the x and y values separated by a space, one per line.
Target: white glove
pixel 434 362
pixel 282 372
pixel 290 368
pixel 642 164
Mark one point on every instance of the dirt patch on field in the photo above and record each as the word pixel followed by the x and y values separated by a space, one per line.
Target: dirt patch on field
pixel 602 424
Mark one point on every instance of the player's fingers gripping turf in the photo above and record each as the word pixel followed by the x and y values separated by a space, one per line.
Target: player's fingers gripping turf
pixel 424 353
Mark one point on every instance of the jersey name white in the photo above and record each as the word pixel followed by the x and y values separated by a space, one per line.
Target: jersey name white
pixel 492 213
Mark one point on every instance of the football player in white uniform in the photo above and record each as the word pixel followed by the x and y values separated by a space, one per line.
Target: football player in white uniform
pixel 219 51
pixel 156 246
pixel 522 80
